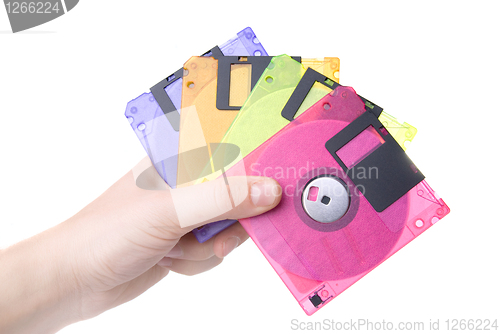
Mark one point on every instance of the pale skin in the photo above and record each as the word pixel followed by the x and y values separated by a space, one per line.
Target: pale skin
pixel 117 247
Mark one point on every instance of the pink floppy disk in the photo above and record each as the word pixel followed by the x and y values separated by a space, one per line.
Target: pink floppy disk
pixel 351 198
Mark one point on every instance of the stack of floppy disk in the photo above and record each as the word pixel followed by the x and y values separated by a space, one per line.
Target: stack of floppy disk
pixel 351 196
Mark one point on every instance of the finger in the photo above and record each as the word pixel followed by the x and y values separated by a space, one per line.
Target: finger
pixel 189 268
pixel 229 239
pixel 224 198
pixel 188 248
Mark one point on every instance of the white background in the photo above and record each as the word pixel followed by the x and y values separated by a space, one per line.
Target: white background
pixel 64 140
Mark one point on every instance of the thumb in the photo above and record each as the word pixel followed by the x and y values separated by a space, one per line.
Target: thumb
pixel 224 198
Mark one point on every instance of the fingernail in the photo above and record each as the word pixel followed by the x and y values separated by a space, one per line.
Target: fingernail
pixel 264 193
pixel 165 262
pixel 229 245
pixel 175 252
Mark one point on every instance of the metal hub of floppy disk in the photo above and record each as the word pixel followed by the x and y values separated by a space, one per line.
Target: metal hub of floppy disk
pixel 326 199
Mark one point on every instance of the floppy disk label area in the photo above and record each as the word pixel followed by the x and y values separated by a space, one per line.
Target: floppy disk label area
pixel 394 175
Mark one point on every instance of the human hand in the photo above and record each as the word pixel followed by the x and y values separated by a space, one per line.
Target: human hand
pixel 120 245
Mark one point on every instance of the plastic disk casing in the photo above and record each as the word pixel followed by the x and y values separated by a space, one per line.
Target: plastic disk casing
pixel 337 142
pixel 206 82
